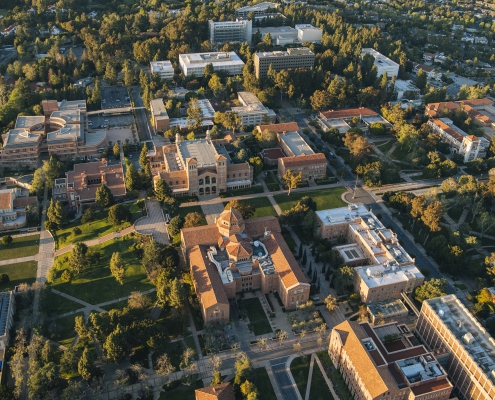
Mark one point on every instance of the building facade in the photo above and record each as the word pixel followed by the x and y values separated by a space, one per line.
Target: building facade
pixel 253 112
pixel 231 31
pixel 300 57
pixel 382 63
pixel 163 69
pixel 159 115
pixel 257 9
pixel 195 63
pixel 237 255
pixel 444 322
pixel 385 362
pixel 13 208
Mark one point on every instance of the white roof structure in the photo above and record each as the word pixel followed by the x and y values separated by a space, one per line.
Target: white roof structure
pixel 295 143
pixel 195 63
pixel 350 213
pixel 202 150
pixel 379 275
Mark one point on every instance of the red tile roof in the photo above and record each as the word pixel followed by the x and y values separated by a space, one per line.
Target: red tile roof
pixel 279 128
pixel 477 102
pixel 348 113
pixel 5 199
pixel 224 391
pixel 304 159
pixel 435 109
pixel 448 130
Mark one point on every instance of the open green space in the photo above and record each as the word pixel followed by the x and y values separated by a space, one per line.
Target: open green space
pixel 119 305
pixel 399 153
pixel 343 390
pixel 62 330
pixel 417 177
pixel 54 304
pixel 319 388
pixel 456 212
pixel 174 351
pixel 385 146
pixel 257 317
pixel 263 384
pixel 23 246
pixel 94 229
pixel 299 369
pixel 18 273
pixel 176 324
pixel 262 205
pixel 96 284
pixel 182 392
pixel 190 343
pixel 326 198
pixel 270 177
pixel 183 211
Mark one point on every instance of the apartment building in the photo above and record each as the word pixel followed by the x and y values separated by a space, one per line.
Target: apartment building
pixel 159 115
pixel 195 63
pixel 257 9
pixel 198 167
pixel 13 208
pixel 382 63
pixel 383 269
pixel 231 31
pixel 300 57
pixel 253 112
pixel 235 255
pixel 386 362
pixel 163 69
pixel 445 322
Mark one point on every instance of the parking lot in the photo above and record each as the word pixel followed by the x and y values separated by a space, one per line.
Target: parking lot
pixel 102 121
pixel 114 97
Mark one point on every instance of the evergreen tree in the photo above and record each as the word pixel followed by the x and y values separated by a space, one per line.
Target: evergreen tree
pixel 103 197
pixel 132 181
pixel 77 258
pixel 47 353
pixel 118 214
pixel 177 294
pixel 117 268
pixel 143 157
pixel 162 190
pixel 85 366
pixel 116 345
pixel 81 328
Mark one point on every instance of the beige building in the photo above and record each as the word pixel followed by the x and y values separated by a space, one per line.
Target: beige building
pixel 13 208
pixel 386 362
pixel 198 167
pixel 300 57
pixel 444 322
pixel 160 119
pixel 383 269
pixel 236 255
pixel 252 111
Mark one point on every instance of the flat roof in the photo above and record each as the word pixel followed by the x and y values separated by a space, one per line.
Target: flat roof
pixel 29 121
pixel 339 215
pixel 202 59
pixel 389 307
pixel 202 150
pixel 350 252
pixel 258 7
pixel 19 137
pixel 380 59
pixel 405 85
pixel 72 104
pixel 206 108
pixel 69 132
pixel 4 311
pixel 379 275
pixel 158 109
pixel 296 51
pixel 157 66
pixel 295 143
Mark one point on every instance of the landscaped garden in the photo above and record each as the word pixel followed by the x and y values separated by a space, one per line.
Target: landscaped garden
pixel 96 284
pixel 385 146
pixel 263 384
pixel 62 330
pixel 183 211
pixel 24 272
pixel 257 318
pixel 325 199
pixel 23 246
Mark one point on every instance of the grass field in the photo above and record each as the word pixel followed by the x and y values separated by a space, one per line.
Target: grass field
pixel 262 205
pixel 256 314
pixel 55 304
pixel 326 198
pixel 300 371
pixel 319 388
pixel 263 384
pixel 96 284
pixel 183 211
pixel 399 153
pixel 92 230
pixel 182 392
pixel 18 273
pixel 63 330
pixel 20 247
pixel 384 147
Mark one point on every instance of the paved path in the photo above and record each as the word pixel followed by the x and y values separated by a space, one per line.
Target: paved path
pixel 194 332
pixel 19 260
pixel 212 209
pixel 463 216
pixel 25 234
pixel 284 379
pixel 453 225
pixel 76 300
pixel 154 223
pixel 328 381
pixel 310 377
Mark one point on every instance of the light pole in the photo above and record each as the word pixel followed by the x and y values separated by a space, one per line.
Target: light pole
pixel 355 186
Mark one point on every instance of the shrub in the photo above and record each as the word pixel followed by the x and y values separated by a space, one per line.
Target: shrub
pixel 66 276
pixel 4 278
pixel 76 230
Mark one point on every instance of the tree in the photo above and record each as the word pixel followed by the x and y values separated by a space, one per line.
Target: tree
pixel 243 368
pixel 357 144
pixel 320 100
pixel 217 379
pixel 215 83
pixel 177 294
pixel 77 258
pixel 246 209
pixel 116 151
pixel 281 336
pixel 248 389
pixel 230 120
pixel 163 365
pixel 175 225
pixel 267 139
pixel 47 353
pixel 193 219
pixel 162 190
pixel 430 289
pixel 103 197
pixel 88 214
pixel 7 240
pixel 143 156
pixel 484 296
pixel 291 179
pixel 257 164
pixel 81 328
pixel 110 74
pixel 343 278
pixel 44 382
pixel 485 222
pixel 56 214
pixel 85 366
pixel 331 303
pixel 132 181
pixel 421 79
pixel 116 345
pixel 138 301
pixel 432 215
pixel 194 115
pixel 118 214
pixel 117 268
pixel 208 71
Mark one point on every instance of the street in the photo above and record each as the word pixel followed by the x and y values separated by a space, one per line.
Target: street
pixel 141 114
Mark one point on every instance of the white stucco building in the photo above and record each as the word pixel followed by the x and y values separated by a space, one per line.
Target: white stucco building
pixel 195 63
pixel 382 63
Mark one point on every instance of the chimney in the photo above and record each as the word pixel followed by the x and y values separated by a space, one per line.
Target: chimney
pixel 84 180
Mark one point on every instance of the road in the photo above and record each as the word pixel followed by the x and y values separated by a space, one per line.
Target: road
pixel 141 115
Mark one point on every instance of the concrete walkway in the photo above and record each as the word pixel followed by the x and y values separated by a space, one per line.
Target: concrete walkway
pixel 193 331
pixel 463 216
pixel 154 223
pixel 310 377
pixel 212 209
pixel 19 260
pixel 327 380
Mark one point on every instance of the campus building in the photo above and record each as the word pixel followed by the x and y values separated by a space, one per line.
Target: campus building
pixel 7 311
pixel 297 155
pixel 195 63
pixel 386 362
pixel 445 322
pixel 300 57
pixel 386 311
pixel 283 35
pixel 207 111
pixel 252 111
pixel 198 167
pixel 235 255
pixel 383 269
pixel 163 69
pixel 469 146
pixel 257 9
pixel 406 89
pixel 13 208
pixel 341 119
pixel 223 391
pixel 231 31
pixel 382 63
pixel 159 115
pixel 80 185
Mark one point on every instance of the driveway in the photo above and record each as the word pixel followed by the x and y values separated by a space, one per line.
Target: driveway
pixel 154 223
pixel 282 377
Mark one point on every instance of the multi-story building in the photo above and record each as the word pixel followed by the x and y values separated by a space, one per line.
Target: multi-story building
pixel 382 63
pixel 163 69
pixel 340 119
pixel 253 112
pixel 386 362
pixel 300 57
pixel 223 391
pixel 386 311
pixel 195 63
pixel 20 148
pixel 383 269
pixel 469 146
pixel 235 255
pixel 445 322
pixel 405 89
pixel 231 31
pixel 257 9
pixel 308 33
pixel 297 154
pixel 13 208
pixel 80 185
pixel 7 310
pixel 159 115
pixel 430 72
pixel 207 111
pixel 198 167
pixel 283 35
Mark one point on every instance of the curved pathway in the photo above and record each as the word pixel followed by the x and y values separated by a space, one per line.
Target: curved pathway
pixel 154 223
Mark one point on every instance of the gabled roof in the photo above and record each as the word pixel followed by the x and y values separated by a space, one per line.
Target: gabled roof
pixel 304 159
pixel 5 200
pixel 224 391
pixel 349 113
pixel 279 128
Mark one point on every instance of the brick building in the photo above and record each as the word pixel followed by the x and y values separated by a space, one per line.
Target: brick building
pixel 159 115
pixel 223 391
pixel 13 208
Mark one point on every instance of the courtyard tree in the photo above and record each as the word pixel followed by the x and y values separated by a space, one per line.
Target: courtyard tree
pixel 85 366
pixel 78 259
pixel 257 164
pixel 175 225
pixel 217 379
pixel 245 209
pixel 162 190
pixel 81 328
pixel 281 336
pixel 243 368
pixel 117 268
pixel 88 214
pixel 248 389
pixel 103 197
pixel 291 179
pixel 331 303
pixel 430 289
pixel 56 215
pixel 357 144
pixel 432 215
pixel 193 219
pixel 115 345
pixel 118 214
pixel 132 181
pixel 164 366
pixel 343 278
pixel 230 120
pixel 194 115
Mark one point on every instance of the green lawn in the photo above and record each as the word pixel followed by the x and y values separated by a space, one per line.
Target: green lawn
pixel 190 343
pixel 174 351
pixel 263 384
pixel 257 317
pixel 270 178
pixel 20 247
pixel 18 273
pixel 262 205
pixel 289 240
pixel 384 147
pixel 319 388
pixel 183 211
pixel 299 369
pixel 120 305
pixel 326 198
pixel 399 153
pixel 62 330
pixel 95 229
pixel 96 284
pixel 337 378
pixel 54 304
pixel 182 392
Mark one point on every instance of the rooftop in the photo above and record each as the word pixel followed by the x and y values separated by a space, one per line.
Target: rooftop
pixel 379 275
pixel 386 308
pixel 295 143
pixel 207 58
pixel 279 128
pixel 158 109
pixel 70 132
pixel 339 215
pixel 258 7
pixel 33 123
pixel 404 85
pixel 447 125
pixel 19 138
pixel 348 113
pixel 157 66
pixel 5 303
pixel 296 51
pixel 202 150
pixel 380 59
